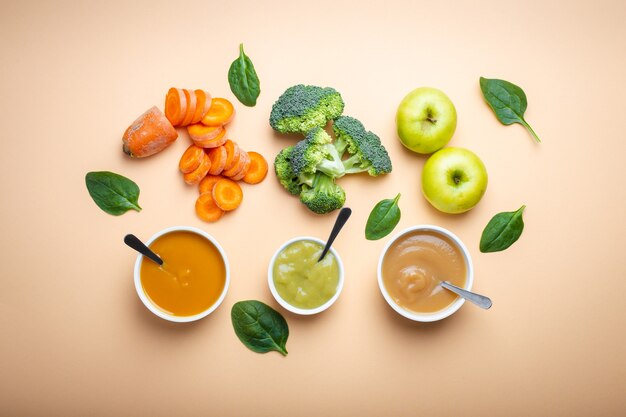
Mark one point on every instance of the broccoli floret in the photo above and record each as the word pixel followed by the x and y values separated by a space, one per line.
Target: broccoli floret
pixel 316 153
pixel 366 152
pixel 303 107
pixel 324 195
pixel 289 179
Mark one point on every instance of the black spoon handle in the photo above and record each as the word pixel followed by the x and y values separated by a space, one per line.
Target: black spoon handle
pixel 135 243
pixel 342 218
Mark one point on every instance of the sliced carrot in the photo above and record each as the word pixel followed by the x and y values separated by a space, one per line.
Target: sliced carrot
pixel 244 170
pixel 218 140
pixel 257 170
pixel 175 106
pixel 227 194
pixel 220 113
pixel 207 104
pixel 191 159
pixel 203 103
pixel 191 107
pixel 206 208
pixel 148 134
pixel 218 160
pixel 195 176
pixel 232 153
pixel 235 169
pixel 207 183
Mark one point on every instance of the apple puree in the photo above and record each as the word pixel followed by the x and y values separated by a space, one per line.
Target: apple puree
pixel 416 263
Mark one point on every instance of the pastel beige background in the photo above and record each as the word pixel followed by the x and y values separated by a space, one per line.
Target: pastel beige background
pixel 75 339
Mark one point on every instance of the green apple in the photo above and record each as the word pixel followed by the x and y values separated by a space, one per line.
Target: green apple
pixel 454 180
pixel 426 120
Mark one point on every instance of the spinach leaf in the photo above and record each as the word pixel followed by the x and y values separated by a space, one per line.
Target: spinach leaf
pixel 502 231
pixel 112 192
pixel 244 83
pixel 383 219
pixel 508 102
pixel 259 326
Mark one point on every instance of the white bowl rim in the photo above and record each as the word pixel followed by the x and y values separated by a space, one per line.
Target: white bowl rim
pixel 156 310
pixel 285 304
pixel 437 315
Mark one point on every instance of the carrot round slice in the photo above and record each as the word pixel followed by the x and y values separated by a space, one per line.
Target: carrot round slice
pixel 236 168
pixel 257 170
pixel 201 132
pixel 219 140
pixel 195 176
pixel 191 107
pixel 191 159
pixel 218 160
pixel 244 170
pixel 227 194
pixel 200 101
pixel 220 113
pixel 175 106
pixel 206 208
pixel 207 183
pixel 232 153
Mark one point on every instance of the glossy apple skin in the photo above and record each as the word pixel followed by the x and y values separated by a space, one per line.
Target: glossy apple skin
pixel 426 120
pixel 454 180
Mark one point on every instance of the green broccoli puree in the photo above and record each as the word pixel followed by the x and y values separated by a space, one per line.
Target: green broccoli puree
pixel 302 281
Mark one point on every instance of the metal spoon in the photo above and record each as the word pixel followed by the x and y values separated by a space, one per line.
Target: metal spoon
pixel 342 218
pixel 134 242
pixel 480 300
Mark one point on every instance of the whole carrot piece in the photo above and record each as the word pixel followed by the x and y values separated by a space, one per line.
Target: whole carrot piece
pixel 149 134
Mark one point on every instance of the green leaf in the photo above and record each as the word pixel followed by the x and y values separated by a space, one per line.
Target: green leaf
pixel 383 219
pixel 508 102
pixel 259 326
pixel 113 193
pixel 502 231
pixel 244 83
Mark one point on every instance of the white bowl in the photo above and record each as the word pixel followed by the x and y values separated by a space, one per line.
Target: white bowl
pixel 285 304
pixel 450 309
pixel 156 310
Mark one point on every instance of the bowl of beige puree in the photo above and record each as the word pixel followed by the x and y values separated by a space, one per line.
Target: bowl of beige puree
pixel 412 266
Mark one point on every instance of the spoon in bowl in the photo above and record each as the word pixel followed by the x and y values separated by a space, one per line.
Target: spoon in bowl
pixel 134 242
pixel 342 218
pixel 480 300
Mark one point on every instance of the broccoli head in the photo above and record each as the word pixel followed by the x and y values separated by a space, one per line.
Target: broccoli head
pixel 289 179
pixel 316 153
pixel 303 107
pixel 324 195
pixel 365 150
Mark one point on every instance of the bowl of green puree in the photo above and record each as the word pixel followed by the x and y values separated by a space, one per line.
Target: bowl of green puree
pixel 300 283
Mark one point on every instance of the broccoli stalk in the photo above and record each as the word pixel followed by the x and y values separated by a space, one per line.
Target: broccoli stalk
pixel 324 195
pixel 316 153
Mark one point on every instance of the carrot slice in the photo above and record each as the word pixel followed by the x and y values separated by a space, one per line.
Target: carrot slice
pixel 218 160
pixel 227 194
pixel 257 170
pixel 191 159
pixel 232 153
pixel 236 169
pixel 207 183
pixel 148 134
pixel 175 106
pixel 219 140
pixel 195 176
pixel 201 132
pixel 206 208
pixel 207 104
pixel 191 107
pixel 220 113
pixel 200 100
pixel 244 170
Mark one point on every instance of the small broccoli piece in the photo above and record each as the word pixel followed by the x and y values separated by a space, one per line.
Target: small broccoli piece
pixel 324 195
pixel 289 179
pixel 366 152
pixel 303 107
pixel 316 153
